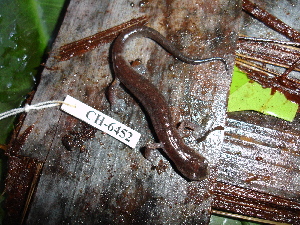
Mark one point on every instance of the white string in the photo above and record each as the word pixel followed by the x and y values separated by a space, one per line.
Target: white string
pixel 27 108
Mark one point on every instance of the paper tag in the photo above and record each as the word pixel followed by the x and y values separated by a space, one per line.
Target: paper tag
pixel 100 121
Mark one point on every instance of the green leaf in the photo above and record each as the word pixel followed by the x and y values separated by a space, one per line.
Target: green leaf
pixel 249 95
pixel 26 27
pixel 220 220
pixel 223 220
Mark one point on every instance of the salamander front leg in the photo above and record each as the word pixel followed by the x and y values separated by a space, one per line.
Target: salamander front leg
pixel 111 94
pixel 150 152
pixel 116 104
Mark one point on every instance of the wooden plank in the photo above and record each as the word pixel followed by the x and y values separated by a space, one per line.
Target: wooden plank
pixel 102 180
pixel 20 191
pixel 251 203
pixel 260 157
pixel 265 148
pixel 259 173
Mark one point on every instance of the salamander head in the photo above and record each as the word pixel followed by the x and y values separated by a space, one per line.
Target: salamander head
pixel 195 168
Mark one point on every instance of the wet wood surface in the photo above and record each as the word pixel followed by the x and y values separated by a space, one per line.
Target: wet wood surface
pixel 272 143
pixel 259 173
pixel 260 160
pixel 95 179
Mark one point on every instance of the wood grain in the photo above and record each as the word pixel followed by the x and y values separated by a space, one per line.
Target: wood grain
pixel 101 181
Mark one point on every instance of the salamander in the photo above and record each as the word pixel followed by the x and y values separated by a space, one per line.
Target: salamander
pixel 190 163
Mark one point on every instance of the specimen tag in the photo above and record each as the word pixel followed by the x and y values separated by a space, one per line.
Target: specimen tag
pixel 100 121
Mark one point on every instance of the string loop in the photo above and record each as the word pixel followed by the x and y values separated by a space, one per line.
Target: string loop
pixel 27 108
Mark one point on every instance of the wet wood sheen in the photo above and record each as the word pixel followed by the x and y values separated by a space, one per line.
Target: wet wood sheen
pixel 88 177
pixel 62 171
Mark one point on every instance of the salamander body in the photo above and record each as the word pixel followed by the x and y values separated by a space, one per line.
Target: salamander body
pixel 190 163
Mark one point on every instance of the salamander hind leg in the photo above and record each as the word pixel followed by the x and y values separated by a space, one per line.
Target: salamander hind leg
pixel 186 125
pixel 200 132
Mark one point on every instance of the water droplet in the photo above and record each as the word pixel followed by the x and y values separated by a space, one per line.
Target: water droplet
pixel 142 4
pixel 8 85
pixel 171 67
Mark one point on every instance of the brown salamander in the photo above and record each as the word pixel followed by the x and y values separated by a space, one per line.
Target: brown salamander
pixel 189 162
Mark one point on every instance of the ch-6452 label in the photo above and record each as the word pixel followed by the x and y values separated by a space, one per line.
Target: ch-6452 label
pixel 101 121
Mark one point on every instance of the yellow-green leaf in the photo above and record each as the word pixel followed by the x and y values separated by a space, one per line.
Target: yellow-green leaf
pixel 249 95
